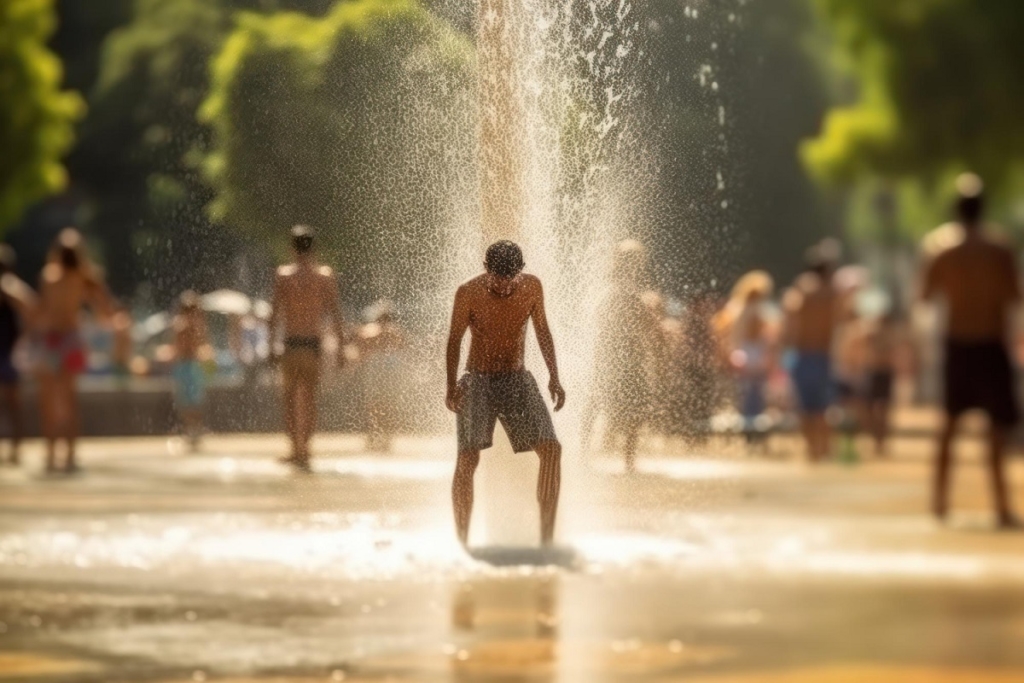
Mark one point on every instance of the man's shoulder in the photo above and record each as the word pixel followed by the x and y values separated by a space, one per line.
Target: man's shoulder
pixel 531 282
pixel 475 284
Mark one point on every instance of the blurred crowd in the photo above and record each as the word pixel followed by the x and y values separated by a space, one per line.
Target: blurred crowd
pixel 823 355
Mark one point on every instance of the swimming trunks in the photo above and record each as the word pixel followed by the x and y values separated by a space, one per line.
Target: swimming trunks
pixel 878 385
pixel 980 375
pixel 302 344
pixel 10 329
pixel 513 398
pixel 61 352
pixel 189 383
pixel 812 379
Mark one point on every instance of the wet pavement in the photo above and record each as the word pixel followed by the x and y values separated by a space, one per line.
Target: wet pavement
pixel 155 565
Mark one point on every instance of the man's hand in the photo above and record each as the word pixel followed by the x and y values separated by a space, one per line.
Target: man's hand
pixel 454 398
pixel 557 393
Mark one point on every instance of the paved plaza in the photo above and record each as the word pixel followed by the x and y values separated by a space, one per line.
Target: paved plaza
pixel 708 566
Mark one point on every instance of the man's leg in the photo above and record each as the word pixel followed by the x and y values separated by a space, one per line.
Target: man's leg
pixel 49 413
pixel 310 382
pixel 291 408
pixel 631 442
pixel 998 437
pixel 823 436
pixel 69 389
pixel 462 492
pixel 943 465
pixel 12 399
pixel 880 424
pixel 549 483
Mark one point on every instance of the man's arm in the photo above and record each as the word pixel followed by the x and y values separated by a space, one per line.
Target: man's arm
pixel 460 322
pixel 547 348
pixel 337 319
pixel 274 321
pixel 21 297
pixel 932 279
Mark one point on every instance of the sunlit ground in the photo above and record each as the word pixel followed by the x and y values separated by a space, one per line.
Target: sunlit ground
pixel 707 566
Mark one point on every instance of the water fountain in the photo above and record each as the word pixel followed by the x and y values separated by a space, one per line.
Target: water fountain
pixel 546 144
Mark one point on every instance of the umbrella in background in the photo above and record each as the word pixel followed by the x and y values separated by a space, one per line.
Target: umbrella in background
pixel 226 301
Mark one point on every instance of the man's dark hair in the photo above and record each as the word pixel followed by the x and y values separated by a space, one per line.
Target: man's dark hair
pixel 504 259
pixel 302 239
pixel 821 259
pixel 970 199
pixel 7 259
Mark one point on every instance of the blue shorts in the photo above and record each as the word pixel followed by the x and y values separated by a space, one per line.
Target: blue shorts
pixel 189 384
pixel 812 378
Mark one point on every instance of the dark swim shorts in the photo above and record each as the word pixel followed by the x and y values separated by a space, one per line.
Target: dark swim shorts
pixel 980 375
pixel 513 398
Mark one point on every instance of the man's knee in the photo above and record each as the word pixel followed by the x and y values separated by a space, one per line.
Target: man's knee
pixel 549 450
pixel 467 461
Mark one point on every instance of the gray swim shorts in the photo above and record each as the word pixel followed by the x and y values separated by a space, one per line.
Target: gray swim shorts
pixel 513 398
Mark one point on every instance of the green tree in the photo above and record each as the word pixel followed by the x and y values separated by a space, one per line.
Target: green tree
pixel 356 123
pixel 36 117
pixel 938 89
pixel 142 144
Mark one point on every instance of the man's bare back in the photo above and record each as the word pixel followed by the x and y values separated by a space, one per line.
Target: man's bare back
pixel 305 298
pixel 62 294
pixel 978 280
pixel 812 307
pixel 497 324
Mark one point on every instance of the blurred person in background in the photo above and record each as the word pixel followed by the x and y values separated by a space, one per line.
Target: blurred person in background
pixel 703 368
pixel 880 343
pixel 978 281
pixel 191 349
pixel 305 299
pixel 68 283
pixel 748 345
pixel 811 307
pixel 380 342
pixel 17 307
pixel 626 351
pixel 123 347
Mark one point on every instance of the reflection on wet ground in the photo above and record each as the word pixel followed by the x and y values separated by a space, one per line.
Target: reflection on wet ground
pixel 152 567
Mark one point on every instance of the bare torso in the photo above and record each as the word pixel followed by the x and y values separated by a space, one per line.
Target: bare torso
pixel 498 324
pixel 305 297
pixel 189 335
pixel 62 295
pixel 812 309
pixel 979 282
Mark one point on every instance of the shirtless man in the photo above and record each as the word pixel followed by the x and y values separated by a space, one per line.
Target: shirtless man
pixel 68 283
pixel 305 298
pixel 17 306
pixel 811 308
pixel 495 307
pixel 190 349
pixel 979 282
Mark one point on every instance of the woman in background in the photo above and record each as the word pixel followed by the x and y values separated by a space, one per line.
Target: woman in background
pixel 68 283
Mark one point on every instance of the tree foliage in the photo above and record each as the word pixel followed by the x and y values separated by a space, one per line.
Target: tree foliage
pixel 36 116
pixel 355 123
pixel 938 89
